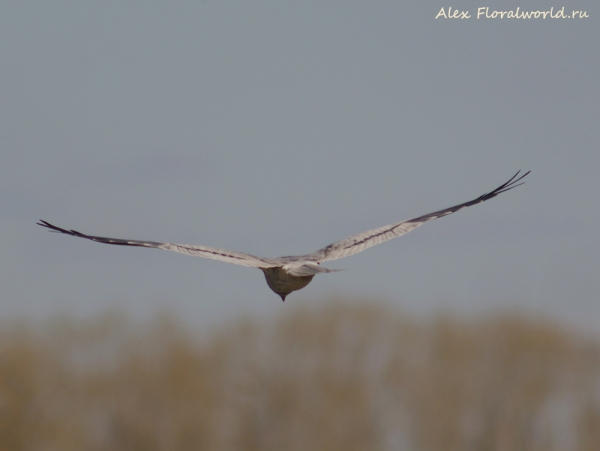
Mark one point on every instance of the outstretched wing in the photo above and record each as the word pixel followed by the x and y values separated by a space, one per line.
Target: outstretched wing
pixel 362 241
pixel 239 258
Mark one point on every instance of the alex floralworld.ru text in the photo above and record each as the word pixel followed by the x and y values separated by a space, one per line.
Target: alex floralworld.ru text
pixel 484 12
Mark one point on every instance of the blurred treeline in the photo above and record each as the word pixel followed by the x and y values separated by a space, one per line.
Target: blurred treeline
pixel 335 378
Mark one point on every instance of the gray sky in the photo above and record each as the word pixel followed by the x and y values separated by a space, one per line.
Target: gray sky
pixel 276 128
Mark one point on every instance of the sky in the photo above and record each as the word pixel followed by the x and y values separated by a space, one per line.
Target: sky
pixel 276 128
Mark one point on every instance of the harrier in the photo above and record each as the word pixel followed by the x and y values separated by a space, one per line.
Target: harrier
pixel 292 273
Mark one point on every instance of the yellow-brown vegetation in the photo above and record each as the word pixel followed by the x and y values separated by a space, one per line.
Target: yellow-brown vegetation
pixel 335 378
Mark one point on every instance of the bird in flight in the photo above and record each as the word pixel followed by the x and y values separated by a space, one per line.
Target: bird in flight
pixel 292 273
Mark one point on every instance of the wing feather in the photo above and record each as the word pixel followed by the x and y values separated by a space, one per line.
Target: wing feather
pixel 362 241
pixel 238 258
pixel 306 268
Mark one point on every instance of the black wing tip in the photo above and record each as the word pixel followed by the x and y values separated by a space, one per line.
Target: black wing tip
pixel 49 226
pixel 514 178
pixel 98 239
pixel 54 228
pixel 513 182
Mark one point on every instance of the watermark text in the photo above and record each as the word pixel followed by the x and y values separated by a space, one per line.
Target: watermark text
pixel 485 12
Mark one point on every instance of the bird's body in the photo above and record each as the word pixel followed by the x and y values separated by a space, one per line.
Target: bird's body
pixel 283 283
pixel 292 273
